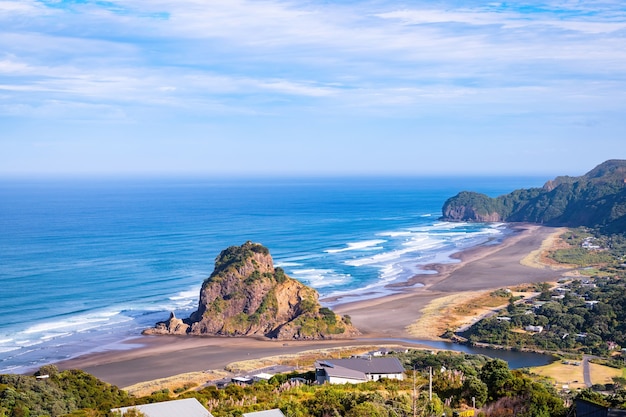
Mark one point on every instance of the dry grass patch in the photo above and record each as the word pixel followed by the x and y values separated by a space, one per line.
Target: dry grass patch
pixel 305 359
pixel 455 311
pixel 175 382
pixel 562 374
pixel 601 374
pixel 540 258
pixel 572 375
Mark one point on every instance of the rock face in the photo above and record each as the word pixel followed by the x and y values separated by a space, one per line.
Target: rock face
pixel 171 326
pixel 596 199
pixel 246 296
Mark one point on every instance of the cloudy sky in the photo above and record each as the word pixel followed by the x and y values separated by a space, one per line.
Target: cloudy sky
pixel 238 87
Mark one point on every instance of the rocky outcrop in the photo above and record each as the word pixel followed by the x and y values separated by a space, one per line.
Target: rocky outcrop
pixel 469 213
pixel 470 206
pixel 247 296
pixel 170 326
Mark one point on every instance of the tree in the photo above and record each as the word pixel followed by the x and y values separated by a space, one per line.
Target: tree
pixel 368 409
pixel 131 412
pixel 496 375
pixel 476 389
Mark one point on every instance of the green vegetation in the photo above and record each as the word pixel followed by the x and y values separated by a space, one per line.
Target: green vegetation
pixel 58 394
pixel 459 380
pixel 596 199
pixel 235 257
pixel 589 247
pixel 584 316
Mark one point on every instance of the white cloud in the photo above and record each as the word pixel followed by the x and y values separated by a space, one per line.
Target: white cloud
pixel 242 56
pixel 21 7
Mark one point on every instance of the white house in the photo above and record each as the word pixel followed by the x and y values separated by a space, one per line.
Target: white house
pixel 357 370
pixel 263 376
pixel 189 407
pixel 535 329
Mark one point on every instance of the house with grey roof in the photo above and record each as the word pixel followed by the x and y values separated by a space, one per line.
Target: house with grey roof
pixel 188 407
pixel 267 413
pixel 357 370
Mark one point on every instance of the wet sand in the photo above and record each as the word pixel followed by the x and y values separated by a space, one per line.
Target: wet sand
pixel 482 268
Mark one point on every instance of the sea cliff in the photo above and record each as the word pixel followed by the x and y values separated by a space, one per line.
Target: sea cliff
pixel 247 296
pixel 596 199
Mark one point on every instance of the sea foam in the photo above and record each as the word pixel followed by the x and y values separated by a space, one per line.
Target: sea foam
pixel 114 257
pixel 364 245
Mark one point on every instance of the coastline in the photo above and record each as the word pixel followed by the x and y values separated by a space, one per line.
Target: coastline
pixel 480 268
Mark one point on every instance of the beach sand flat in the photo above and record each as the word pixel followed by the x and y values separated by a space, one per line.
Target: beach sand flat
pixel 482 268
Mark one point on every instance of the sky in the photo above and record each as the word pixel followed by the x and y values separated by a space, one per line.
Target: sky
pixel 347 87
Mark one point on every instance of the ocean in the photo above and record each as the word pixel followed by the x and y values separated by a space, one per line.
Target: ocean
pixel 87 264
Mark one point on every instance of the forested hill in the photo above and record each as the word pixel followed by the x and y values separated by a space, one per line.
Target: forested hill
pixel 596 199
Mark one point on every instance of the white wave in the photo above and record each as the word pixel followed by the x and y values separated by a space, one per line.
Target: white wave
pixel 183 295
pixel 77 323
pixel 426 215
pixel 320 278
pixel 50 336
pixel 378 259
pixel 28 343
pixel 286 264
pixel 395 234
pixel 364 245
pixel 418 244
pixel 4 349
pixel 186 297
pixel 440 226
pixel 423 243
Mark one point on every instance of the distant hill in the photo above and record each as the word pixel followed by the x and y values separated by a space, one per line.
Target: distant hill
pixel 596 199
pixel 246 296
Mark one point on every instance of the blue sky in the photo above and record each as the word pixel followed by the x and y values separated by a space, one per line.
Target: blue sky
pixel 237 87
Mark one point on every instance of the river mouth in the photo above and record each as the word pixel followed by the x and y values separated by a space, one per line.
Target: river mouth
pixel 516 359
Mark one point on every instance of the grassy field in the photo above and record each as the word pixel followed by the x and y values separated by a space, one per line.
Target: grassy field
pixel 462 309
pixel 571 374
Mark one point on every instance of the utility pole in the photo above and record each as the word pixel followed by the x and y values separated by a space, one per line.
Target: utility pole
pixel 430 384
pixel 414 395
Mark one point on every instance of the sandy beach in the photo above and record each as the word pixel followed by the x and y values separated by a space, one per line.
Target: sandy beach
pixel 514 261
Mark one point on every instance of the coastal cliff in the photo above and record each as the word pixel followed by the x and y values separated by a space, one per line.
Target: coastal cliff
pixel 596 199
pixel 247 296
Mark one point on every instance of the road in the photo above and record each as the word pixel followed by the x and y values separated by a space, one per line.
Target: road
pixel 587 370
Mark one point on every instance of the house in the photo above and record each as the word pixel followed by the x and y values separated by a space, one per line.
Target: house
pixel 267 413
pixel 263 376
pixel 357 370
pixel 535 329
pixel 189 407
pixel 242 380
pixel 589 409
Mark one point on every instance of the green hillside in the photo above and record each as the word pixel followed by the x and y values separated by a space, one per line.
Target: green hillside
pixel 596 199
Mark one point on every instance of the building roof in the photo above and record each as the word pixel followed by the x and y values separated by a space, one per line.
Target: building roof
pixel 341 372
pixel 263 375
pixel 188 407
pixel 389 365
pixel 267 413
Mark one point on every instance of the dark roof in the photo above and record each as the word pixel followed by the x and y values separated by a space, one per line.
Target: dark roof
pixel 590 409
pixel 367 365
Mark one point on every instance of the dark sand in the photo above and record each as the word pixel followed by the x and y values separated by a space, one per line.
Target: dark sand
pixel 481 268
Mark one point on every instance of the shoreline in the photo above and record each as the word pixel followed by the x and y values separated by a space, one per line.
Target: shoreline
pixel 481 268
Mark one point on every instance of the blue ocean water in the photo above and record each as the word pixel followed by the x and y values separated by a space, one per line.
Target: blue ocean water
pixel 87 264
